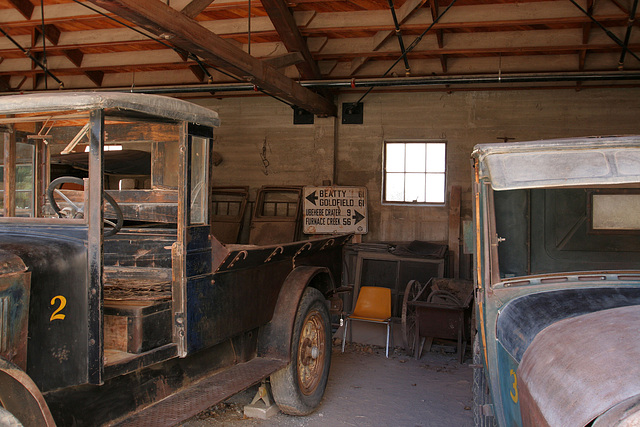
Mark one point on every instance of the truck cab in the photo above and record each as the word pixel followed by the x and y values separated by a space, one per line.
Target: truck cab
pixel 116 295
pixel 557 282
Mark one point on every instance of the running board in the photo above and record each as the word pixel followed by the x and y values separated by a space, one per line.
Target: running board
pixel 202 394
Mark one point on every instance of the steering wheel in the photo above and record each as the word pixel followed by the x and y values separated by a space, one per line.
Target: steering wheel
pixel 76 211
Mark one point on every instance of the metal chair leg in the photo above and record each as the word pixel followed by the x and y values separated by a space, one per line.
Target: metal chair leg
pixel 344 335
pixel 387 349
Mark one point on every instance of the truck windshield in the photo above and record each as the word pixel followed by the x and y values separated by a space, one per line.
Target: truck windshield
pixel 139 168
pixel 567 229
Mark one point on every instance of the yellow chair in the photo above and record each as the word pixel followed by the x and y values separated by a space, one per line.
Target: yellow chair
pixel 374 306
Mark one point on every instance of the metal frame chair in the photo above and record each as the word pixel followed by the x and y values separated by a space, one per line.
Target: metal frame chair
pixel 373 306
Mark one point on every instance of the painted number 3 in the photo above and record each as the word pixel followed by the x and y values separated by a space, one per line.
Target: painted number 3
pixel 514 392
pixel 62 302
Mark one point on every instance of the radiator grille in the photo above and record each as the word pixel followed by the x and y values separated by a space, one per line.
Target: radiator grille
pixel 4 324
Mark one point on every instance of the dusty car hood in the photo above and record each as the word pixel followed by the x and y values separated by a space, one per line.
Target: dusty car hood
pixel 577 368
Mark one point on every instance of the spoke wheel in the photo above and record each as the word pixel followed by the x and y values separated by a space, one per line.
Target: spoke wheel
pixel 298 388
pixel 311 353
pixel 413 292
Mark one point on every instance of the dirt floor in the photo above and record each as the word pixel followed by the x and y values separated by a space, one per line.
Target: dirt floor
pixel 367 389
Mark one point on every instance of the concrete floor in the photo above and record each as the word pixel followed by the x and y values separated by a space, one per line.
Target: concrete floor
pixel 367 389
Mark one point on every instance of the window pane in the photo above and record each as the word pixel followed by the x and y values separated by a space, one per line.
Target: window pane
pixel 414 190
pixel 436 157
pixel 416 157
pixel 395 187
pixel 395 158
pixel 435 188
pixel 199 180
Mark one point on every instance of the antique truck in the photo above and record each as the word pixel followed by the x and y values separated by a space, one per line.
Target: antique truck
pixel 118 306
pixel 557 283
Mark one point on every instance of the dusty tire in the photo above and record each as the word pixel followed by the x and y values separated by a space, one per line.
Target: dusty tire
pixel 480 389
pixel 299 387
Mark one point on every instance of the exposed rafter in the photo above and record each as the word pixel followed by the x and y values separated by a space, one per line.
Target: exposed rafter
pixel 187 34
pixel 194 8
pixel 288 31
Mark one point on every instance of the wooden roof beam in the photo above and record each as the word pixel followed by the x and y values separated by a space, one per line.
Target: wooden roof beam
pixel 286 60
pixel 195 7
pixel 187 34
pixel 287 29
pixel 25 7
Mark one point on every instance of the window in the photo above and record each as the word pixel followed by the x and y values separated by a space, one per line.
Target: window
pixel 199 187
pixel 414 172
pixel 25 160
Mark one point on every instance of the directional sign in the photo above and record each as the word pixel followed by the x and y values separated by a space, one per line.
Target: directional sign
pixel 330 210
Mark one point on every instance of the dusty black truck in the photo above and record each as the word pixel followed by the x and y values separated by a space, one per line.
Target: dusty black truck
pixel 118 306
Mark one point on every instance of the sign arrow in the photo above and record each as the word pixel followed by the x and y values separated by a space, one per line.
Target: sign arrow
pixel 312 198
pixel 357 217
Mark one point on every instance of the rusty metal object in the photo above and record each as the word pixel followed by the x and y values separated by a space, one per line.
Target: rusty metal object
pixel 577 368
pixel 413 292
pixel 437 310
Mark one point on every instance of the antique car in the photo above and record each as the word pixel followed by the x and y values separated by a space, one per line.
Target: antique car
pixel 557 282
pixel 118 305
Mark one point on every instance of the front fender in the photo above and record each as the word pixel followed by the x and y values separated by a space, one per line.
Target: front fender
pixel 22 397
pixel 274 340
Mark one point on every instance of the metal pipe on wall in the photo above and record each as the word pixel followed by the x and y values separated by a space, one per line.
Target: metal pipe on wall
pixel 406 82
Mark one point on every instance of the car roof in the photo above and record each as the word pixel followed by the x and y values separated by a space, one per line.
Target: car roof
pixel 151 105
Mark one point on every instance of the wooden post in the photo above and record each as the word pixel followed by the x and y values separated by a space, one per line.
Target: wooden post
pixel 454 230
pixel 9 139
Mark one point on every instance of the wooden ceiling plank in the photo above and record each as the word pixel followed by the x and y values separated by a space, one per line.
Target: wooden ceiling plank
pixel 407 9
pixel 291 37
pixel 195 7
pixel 316 44
pixel 304 18
pixel 357 64
pixel 22 82
pixel 443 63
pixel 283 61
pixel 326 67
pixel 25 7
pixel 74 55
pixel 162 20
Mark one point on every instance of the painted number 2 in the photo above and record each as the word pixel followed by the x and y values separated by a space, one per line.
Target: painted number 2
pixel 514 392
pixel 57 314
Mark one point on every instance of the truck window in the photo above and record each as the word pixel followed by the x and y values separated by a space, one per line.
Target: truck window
pixel 198 178
pixel 25 159
pixel 566 229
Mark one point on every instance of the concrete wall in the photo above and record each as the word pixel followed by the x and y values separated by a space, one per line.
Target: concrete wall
pixel 352 154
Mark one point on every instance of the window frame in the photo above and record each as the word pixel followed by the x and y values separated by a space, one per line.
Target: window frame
pixel 404 172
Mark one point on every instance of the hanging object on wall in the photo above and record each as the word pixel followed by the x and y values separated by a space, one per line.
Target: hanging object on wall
pixel 263 156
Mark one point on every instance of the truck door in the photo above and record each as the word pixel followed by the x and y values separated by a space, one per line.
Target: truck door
pixel 192 251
